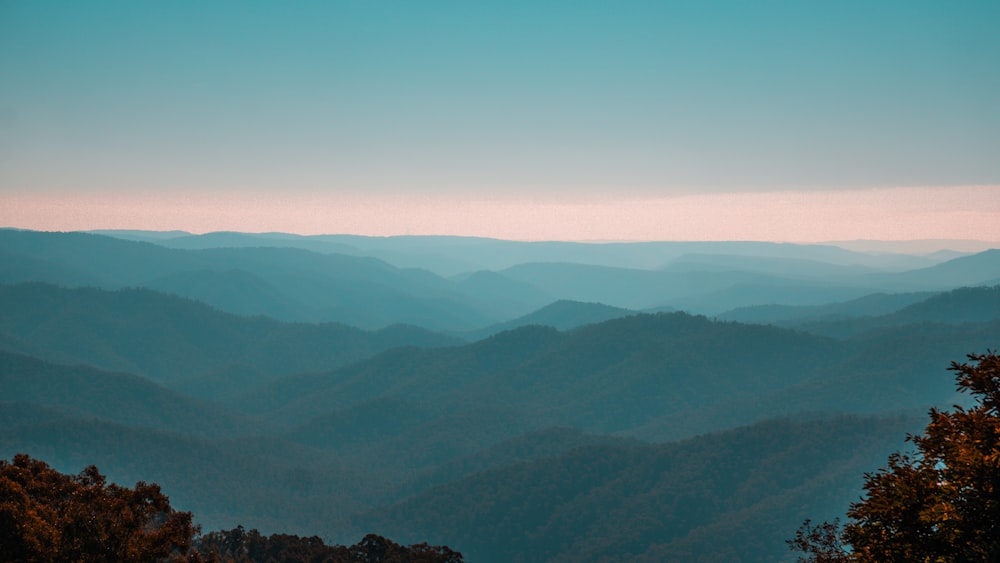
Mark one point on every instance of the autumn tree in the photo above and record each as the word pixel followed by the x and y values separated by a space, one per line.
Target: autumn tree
pixel 942 502
pixel 47 516
pixel 241 546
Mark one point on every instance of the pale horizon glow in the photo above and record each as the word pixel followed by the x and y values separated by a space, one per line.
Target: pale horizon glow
pixel 562 120
pixel 890 214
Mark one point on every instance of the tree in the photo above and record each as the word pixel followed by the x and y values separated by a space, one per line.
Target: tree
pixel 940 504
pixel 241 546
pixel 823 542
pixel 48 516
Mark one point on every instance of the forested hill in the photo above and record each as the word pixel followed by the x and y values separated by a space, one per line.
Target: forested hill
pixel 790 315
pixel 721 497
pixel 712 498
pixel 962 305
pixel 656 375
pixel 563 315
pixel 174 339
pixel 119 397
pixel 603 377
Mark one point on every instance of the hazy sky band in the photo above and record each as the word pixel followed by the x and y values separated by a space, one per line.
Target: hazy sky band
pixel 462 102
pixel 790 216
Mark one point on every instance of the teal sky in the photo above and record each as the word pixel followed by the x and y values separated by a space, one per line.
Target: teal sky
pixel 481 100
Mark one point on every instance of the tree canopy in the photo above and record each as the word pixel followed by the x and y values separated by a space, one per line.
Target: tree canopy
pixel 940 503
pixel 46 515
pixel 241 546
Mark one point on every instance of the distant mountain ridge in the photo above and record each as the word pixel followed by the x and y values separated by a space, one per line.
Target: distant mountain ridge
pixel 286 283
pixel 789 315
pixel 716 290
pixel 962 305
pixel 562 315
pixel 449 255
pixel 240 273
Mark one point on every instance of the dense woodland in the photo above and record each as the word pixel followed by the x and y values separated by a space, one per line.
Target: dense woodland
pixel 654 402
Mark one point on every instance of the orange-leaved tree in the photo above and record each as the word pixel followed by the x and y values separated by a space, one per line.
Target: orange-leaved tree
pixel 46 515
pixel 941 503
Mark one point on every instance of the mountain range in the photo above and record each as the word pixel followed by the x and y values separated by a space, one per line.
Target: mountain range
pixel 294 284
pixel 657 401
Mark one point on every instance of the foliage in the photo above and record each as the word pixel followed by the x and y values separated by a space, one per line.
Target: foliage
pixel 241 546
pixel 823 542
pixel 48 516
pixel 941 503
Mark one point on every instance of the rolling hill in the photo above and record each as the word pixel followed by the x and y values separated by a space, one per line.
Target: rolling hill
pixel 285 283
pixel 714 290
pixel 122 398
pixel 711 498
pixel 789 315
pixel 605 377
pixel 967 304
pixel 561 315
pixel 170 338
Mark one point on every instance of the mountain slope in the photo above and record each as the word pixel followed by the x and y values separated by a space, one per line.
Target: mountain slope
pixel 699 290
pixel 716 284
pixel 117 397
pixel 793 268
pixel 900 369
pixel 665 376
pixel 279 282
pixel 976 269
pixel 561 315
pixel 961 305
pixel 790 315
pixel 233 291
pixel 648 502
pixel 501 296
pixel 605 377
pixel 170 338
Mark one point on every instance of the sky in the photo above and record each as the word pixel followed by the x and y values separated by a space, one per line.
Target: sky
pixel 562 120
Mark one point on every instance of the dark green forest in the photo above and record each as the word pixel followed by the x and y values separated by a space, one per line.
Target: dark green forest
pixel 521 413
